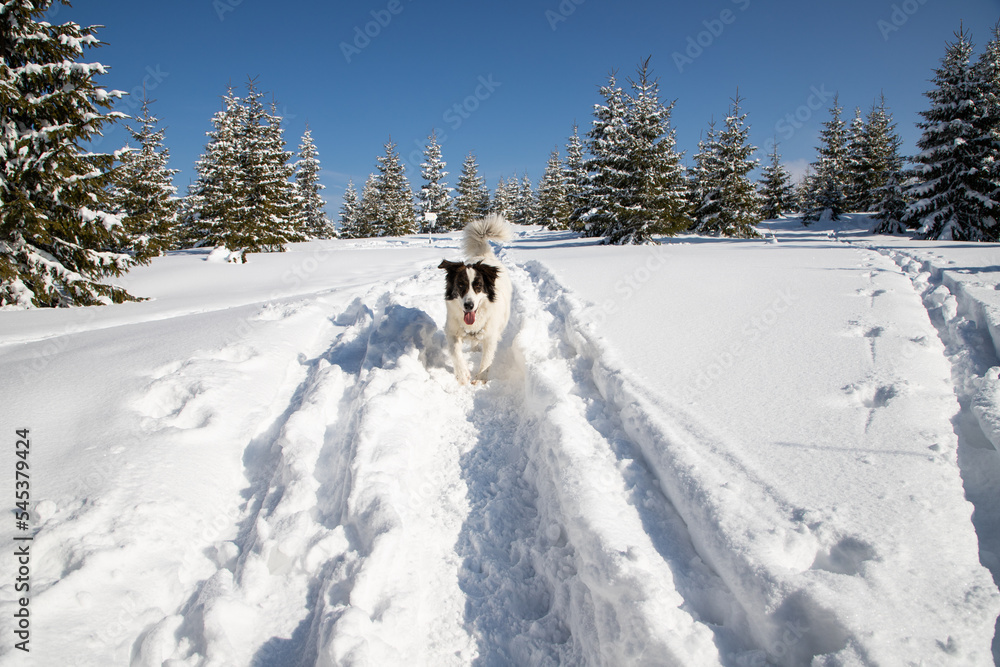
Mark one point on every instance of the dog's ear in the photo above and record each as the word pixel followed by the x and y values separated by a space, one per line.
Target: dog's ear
pixel 489 274
pixel 448 265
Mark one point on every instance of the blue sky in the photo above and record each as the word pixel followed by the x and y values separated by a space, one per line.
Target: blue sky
pixel 507 80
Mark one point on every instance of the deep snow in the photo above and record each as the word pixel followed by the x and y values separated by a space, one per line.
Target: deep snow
pixel 699 453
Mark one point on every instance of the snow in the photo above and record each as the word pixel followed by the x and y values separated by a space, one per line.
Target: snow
pixel 705 452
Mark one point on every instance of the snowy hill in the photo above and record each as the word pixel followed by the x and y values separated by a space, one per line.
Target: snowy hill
pixel 706 452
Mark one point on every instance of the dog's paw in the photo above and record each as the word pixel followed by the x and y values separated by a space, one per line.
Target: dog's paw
pixel 463 376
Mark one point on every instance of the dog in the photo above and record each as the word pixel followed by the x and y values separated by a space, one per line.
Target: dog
pixel 477 294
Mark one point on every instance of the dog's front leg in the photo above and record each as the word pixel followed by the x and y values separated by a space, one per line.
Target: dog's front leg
pixel 461 369
pixel 489 351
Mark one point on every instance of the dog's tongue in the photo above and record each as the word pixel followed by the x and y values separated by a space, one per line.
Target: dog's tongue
pixel 470 317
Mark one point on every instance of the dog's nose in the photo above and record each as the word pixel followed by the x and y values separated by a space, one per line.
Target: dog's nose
pixel 469 306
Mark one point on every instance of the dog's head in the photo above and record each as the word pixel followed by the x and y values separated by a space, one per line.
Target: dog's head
pixel 471 284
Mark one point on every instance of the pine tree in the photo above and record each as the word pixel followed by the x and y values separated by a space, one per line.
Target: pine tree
pixel 212 198
pixel 525 208
pixel 350 211
pixel 879 157
pixel 503 197
pixel 368 223
pixel 953 197
pixel 777 191
pixel 143 195
pixel 575 179
pixel 607 143
pixel 473 200
pixel 435 196
pixel 311 202
pixel 55 224
pixel 855 155
pixel 987 75
pixel 826 194
pixel 552 206
pixel 890 207
pixel 702 194
pixel 732 206
pixel 393 206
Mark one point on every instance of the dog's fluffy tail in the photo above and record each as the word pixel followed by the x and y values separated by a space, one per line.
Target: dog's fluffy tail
pixel 479 233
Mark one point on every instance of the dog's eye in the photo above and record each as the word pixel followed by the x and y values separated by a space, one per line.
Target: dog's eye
pixel 477 284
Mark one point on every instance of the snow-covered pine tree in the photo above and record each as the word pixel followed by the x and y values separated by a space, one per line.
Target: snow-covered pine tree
pixel 826 194
pixel 473 200
pixel 653 197
pixel 855 152
pixel 879 156
pixel 143 195
pixel 393 210
pixel 212 197
pixel 607 143
pixel 890 207
pixel 776 189
pixel 575 179
pixel 953 197
pixel 503 197
pixel 368 223
pixel 526 206
pixel 702 193
pixel 434 197
pixel 311 202
pixel 552 210
pixel 986 72
pixel 350 211
pixel 55 227
pixel 732 205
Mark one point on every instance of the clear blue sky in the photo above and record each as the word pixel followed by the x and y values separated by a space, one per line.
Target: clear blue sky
pixel 519 72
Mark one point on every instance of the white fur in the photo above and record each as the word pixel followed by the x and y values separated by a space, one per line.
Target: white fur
pixel 491 317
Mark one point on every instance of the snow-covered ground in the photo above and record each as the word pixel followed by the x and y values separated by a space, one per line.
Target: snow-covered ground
pixel 706 452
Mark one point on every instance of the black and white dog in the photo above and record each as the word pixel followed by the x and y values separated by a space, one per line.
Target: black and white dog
pixel 477 294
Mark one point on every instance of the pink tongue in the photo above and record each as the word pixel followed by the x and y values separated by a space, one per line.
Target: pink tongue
pixel 470 317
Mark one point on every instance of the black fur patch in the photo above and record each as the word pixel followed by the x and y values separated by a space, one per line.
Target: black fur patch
pixel 489 274
pixel 457 280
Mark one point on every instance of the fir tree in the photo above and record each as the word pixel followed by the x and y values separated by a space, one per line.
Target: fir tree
pixel 890 207
pixel 987 76
pixel 880 157
pixel 393 210
pixel 473 200
pixel 826 194
pixel 368 224
pixel 311 202
pixel 55 224
pixel 143 195
pixel 855 154
pixel 953 197
pixel 732 206
pixel 435 196
pixel 212 198
pixel 575 180
pixel 777 191
pixel 504 197
pixel 350 212
pixel 701 193
pixel 552 207
pixel 525 208
pixel 607 143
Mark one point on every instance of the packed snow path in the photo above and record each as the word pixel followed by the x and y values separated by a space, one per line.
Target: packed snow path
pixel 311 486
